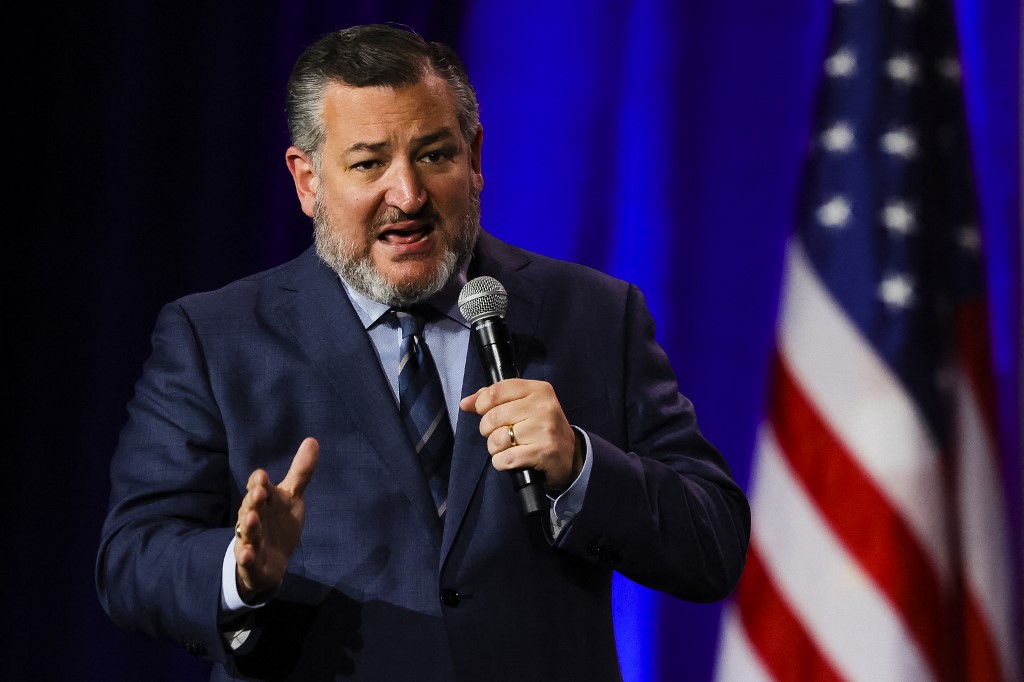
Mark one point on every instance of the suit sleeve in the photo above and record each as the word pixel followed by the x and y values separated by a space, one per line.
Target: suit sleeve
pixel 661 506
pixel 162 545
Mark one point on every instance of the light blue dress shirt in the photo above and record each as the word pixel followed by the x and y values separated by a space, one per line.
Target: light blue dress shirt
pixel 448 338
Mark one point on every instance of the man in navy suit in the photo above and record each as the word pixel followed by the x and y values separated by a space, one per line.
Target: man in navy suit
pixel 268 510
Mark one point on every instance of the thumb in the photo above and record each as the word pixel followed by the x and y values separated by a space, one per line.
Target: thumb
pixel 303 464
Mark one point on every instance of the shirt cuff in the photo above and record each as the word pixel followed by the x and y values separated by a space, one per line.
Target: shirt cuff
pixel 231 603
pixel 565 507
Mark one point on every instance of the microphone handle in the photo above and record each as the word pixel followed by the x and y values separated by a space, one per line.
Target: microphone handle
pixel 494 344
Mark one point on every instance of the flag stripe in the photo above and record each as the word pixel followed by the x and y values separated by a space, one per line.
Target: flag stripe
pixel 975 360
pixel 982 662
pixel 986 554
pixel 854 625
pixel 737 658
pixel 864 404
pixel 783 644
pixel 984 544
pixel 868 526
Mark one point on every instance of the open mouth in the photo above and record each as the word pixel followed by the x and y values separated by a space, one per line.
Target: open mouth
pixel 407 233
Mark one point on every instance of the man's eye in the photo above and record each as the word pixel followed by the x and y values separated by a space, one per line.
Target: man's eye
pixel 365 165
pixel 436 156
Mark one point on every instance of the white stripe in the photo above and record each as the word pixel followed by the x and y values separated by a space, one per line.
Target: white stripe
pixel 855 626
pixel 737 659
pixel 984 530
pixel 442 508
pixel 404 360
pixel 864 404
pixel 430 431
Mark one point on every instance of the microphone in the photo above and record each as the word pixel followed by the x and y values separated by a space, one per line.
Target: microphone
pixel 483 302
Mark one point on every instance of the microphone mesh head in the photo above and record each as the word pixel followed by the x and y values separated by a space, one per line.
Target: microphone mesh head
pixel 482 297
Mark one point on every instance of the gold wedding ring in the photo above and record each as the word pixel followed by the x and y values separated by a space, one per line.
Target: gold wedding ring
pixel 512 436
pixel 238 530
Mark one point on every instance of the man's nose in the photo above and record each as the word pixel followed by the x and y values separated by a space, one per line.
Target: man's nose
pixel 405 189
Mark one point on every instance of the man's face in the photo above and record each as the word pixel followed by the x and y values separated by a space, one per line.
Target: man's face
pixel 396 206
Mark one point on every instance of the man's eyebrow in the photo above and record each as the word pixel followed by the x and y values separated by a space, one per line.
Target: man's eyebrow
pixel 445 133
pixel 442 134
pixel 368 146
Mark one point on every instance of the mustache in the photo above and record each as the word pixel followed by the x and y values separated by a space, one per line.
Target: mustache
pixel 394 215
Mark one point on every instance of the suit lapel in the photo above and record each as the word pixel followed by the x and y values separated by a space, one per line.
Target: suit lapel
pixel 470 457
pixel 323 322
pixel 319 315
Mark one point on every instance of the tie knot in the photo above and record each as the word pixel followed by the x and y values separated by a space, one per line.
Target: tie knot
pixel 411 320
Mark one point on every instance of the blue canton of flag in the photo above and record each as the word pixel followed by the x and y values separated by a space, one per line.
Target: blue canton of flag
pixel 889 204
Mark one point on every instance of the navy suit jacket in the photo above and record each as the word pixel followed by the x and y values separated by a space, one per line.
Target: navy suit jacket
pixel 376 590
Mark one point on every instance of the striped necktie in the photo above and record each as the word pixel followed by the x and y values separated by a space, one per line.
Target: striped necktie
pixel 422 406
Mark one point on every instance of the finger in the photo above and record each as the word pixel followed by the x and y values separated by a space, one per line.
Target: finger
pixel 521 413
pixel 500 393
pixel 245 555
pixel 301 470
pixel 514 434
pixel 468 404
pixel 495 423
pixel 245 529
pixel 257 479
pixel 520 457
pixel 501 438
pixel 497 440
pixel 255 496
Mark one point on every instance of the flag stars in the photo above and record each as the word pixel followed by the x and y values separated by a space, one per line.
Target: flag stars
pixel 898 218
pixel 896 291
pixel 838 138
pixel 902 69
pixel 900 142
pixel 841 64
pixel 835 213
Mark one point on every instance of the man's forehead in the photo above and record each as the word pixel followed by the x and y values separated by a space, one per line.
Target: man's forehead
pixel 373 114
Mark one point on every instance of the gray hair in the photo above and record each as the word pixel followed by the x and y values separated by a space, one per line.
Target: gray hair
pixel 366 56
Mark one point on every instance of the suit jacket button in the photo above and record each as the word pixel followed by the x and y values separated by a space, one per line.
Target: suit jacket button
pixel 450 597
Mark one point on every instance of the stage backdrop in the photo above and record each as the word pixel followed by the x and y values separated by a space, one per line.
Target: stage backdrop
pixel 661 141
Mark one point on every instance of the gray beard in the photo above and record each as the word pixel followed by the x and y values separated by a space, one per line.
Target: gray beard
pixel 354 264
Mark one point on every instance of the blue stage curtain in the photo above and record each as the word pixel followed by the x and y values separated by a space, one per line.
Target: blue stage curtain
pixel 662 142
pixel 658 140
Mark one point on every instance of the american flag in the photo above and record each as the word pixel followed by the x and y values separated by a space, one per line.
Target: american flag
pixel 880 546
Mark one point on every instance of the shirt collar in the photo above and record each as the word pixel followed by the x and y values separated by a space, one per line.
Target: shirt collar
pixel 445 301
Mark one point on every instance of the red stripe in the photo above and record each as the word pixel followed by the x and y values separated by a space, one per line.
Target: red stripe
pixel 974 357
pixel 782 643
pixel 862 519
pixel 982 660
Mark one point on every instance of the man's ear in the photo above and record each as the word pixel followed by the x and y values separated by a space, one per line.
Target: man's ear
pixel 475 156
pixel 300 165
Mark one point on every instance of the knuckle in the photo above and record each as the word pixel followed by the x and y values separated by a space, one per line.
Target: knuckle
pixel 490 397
